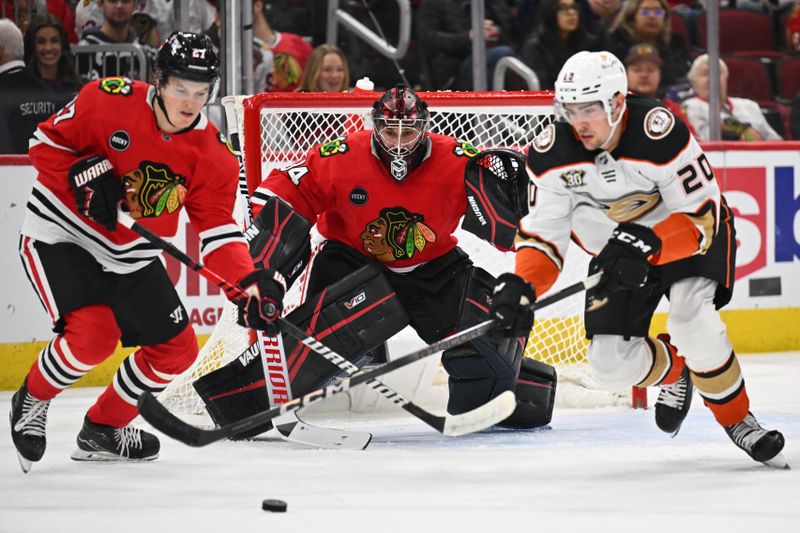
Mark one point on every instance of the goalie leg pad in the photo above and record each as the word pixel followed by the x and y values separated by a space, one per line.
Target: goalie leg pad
pixel 485 367
pixel 279 239
pixel 536 395
pixel 351 317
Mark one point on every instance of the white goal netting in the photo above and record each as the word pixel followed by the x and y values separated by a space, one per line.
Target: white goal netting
pixel 277 129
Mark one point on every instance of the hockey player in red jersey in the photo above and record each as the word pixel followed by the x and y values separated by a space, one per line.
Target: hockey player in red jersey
pixel 152 148
pixel 387 202
pixel 625 179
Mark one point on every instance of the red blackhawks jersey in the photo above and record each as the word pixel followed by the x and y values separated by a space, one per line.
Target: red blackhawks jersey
pixel 657 176
pixel 345 188
pixel 161 173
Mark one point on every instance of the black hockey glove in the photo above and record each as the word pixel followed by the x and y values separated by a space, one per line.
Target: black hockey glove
pixel 98 190
pixel 623 259
pixel 512 306
pixel 261 309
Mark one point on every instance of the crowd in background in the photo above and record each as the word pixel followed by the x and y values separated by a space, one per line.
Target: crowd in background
pixel 662 43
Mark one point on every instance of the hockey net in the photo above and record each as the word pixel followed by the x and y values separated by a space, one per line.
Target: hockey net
pixel 277 129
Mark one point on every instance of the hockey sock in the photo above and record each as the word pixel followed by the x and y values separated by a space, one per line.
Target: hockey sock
pixel 150 368
pixel 90 335
pixel 667 363
pixel 724 392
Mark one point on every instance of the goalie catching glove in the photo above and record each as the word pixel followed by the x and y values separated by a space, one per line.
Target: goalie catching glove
pixel 98 190
pixel 264 304
pixel 512 306
pixel 624 258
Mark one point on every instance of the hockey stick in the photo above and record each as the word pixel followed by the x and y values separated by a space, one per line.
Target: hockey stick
pixel 160 417
pixel 488 414
pixel 290 427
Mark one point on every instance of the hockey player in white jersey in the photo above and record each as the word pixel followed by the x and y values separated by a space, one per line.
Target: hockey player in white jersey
pixel 624 178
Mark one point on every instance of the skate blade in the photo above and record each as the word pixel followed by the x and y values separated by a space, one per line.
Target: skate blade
pixel 779 461
pixel 25 464
pixel 106 457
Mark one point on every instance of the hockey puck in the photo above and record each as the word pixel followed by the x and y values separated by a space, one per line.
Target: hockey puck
pixel 275 506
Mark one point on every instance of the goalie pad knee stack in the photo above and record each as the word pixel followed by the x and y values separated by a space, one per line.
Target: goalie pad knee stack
pixel 351 317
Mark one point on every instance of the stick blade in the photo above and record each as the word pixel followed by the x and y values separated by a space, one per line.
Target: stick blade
pixel 294 429
pixel 492 412
pixel 170 425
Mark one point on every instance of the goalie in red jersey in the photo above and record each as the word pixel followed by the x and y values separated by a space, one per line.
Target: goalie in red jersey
pixel 387 202
pixel 152 147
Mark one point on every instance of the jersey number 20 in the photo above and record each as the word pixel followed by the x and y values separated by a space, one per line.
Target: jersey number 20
pixel 691 179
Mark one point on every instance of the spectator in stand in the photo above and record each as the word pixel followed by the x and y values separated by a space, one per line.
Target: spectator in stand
pixel 742 119
pixel 648 21
pixel 284 55
pixel 326 70
pixel 116 29
pixel 560 36
pixel 28 8
pixel 24 99
pixel 643 67
pixel 47 55
pixel 201 15
pixel 444 33
pixel 596 15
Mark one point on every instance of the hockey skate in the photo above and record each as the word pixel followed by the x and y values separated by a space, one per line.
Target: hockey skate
pixel 673 403
pixel 98 442
pixel 28 419
pixel 760 444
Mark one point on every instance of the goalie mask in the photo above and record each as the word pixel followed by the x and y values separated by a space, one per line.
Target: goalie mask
pixel 400 120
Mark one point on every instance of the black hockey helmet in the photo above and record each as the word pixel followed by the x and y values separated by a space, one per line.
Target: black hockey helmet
pixel 190 56
pixel 400 120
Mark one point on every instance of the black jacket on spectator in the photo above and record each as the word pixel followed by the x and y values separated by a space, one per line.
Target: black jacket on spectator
pixel 94 66
pixel 443 31
pixel 545 52
pixel 674 56
pixel 24 102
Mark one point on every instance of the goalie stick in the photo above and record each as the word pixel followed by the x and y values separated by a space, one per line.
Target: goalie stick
pixel 160 417
pixel 490 413
pixel 290 427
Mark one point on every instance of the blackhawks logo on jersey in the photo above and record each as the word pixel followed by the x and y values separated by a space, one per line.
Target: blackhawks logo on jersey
pixel 123 86
pixel 396 234
pixel 152 189
pixel 465 149
pixel 334 147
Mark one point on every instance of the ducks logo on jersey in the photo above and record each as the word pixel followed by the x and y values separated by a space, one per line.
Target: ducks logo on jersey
pixel 544 141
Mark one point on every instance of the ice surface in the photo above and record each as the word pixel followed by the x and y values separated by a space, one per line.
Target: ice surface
pixel 600 470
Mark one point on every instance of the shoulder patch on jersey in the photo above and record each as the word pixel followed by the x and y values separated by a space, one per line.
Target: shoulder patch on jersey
pixel 464 149
pixel 573 178
pixel 335 147
pixel 545 140
pixel 117 85
pixel 658 123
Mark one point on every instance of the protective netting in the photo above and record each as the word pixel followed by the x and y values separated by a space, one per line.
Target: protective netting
pixel 289 125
